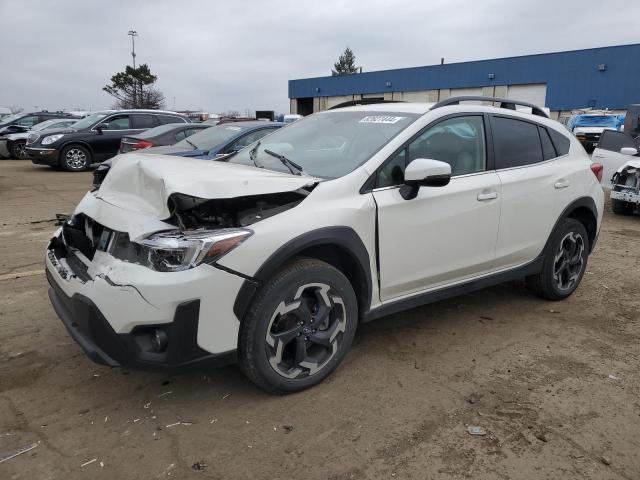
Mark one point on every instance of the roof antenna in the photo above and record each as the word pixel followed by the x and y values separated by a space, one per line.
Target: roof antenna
pixel 442 61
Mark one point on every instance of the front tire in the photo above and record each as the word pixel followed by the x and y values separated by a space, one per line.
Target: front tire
pixel 19 151
pixel 299 327
pixel 620 207
pixel 75 158
pixel 565 262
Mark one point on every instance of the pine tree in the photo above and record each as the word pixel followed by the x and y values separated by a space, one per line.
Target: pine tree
pixel 346 64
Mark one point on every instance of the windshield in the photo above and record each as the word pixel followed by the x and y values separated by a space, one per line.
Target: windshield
pixel 10 118
pixel 87 122
pixel 211 137
pixel 328 144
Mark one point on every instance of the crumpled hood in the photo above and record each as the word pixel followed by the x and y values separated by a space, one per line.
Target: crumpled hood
pixel 630 164
pixel 143 182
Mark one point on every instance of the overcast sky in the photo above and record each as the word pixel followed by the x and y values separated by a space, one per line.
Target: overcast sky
pixel 238 54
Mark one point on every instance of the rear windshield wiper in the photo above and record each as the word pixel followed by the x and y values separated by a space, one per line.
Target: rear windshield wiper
pixel 194 147
pixel 290 164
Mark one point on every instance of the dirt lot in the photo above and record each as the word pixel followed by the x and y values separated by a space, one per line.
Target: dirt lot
pixel 555 385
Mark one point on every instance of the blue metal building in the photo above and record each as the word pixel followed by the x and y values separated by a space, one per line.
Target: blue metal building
pixel 607 77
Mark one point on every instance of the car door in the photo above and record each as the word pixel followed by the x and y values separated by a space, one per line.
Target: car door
pixel 106 142
pixel 445 234
pixel 535 186
pixel 608 152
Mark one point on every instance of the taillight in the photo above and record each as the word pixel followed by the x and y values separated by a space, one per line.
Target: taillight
pixel 140 144
pixel 597 169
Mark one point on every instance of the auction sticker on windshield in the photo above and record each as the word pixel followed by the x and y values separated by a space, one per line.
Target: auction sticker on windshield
pixel 381 119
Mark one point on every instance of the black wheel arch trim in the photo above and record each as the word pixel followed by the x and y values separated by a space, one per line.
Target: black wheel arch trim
pixel 340 236
pixel 582 202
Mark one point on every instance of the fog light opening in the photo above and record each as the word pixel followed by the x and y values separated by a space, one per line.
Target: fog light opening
pixel 159 340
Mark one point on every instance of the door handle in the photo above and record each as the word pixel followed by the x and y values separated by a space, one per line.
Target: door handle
pixel 599 156
pixel 483 197
pixel 561 184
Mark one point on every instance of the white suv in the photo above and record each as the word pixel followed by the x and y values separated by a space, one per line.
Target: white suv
pixel 274 255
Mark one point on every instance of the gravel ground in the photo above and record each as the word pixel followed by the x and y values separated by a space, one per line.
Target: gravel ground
pixel 555 386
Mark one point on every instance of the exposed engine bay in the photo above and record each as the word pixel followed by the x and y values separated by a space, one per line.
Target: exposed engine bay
pixel 191 212
pixel 625 185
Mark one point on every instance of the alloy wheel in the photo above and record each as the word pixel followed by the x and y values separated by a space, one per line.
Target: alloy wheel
pixel 20 151
pixel 569 261
pixel 76 159
pixel 305 333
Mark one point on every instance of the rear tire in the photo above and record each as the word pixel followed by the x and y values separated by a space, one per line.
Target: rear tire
pixel 299 327
pixel 75 158
pixel 620 207
pixel 565 261
pixel 18 150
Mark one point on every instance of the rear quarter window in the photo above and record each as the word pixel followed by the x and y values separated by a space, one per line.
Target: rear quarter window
pixel 561 142
pixel 163 119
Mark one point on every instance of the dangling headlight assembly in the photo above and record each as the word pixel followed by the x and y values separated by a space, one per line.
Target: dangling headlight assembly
pixel 176 250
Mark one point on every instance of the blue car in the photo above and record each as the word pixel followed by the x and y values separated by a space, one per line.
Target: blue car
pixel 219 140
pixel 208 144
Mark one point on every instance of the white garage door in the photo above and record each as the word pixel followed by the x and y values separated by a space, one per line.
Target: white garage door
pixel 465 92
pixel 535 93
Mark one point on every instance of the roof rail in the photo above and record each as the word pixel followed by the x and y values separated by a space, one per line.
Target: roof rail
pixel 504 103
pixel 363 101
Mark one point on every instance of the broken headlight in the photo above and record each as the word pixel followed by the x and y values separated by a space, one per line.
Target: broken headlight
pixel 176 250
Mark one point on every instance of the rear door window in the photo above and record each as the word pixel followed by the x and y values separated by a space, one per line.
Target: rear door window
pixel 141 120
pixel 516 143
pixel 614 141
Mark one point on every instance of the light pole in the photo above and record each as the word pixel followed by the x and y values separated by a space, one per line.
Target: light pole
pixel 133 34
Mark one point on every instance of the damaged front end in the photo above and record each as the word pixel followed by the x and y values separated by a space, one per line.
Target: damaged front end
pixel 205 230
pixel 625 185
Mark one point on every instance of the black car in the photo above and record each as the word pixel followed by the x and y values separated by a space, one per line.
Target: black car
pixel 160 136
pixel 94 138
pixel 21 122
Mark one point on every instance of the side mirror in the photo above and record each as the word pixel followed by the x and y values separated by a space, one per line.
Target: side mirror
pixel 629 151
pixel 424 172
pixel 102 126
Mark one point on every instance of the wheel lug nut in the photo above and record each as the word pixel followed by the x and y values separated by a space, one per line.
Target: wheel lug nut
pixel 314 330
pixel 312 320
pixel 306 338
pixel 299 334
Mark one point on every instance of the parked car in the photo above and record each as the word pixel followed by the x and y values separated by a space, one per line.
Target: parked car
pixel 94 138
pixel 625 188
pixel 13 144
pixel 290 118
pixel 613 151
pixel 160 136
pixel 273 257
pixel 218 140
pixel 4 112
pixel 212 143
pixel 589 127
pixel 21 122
